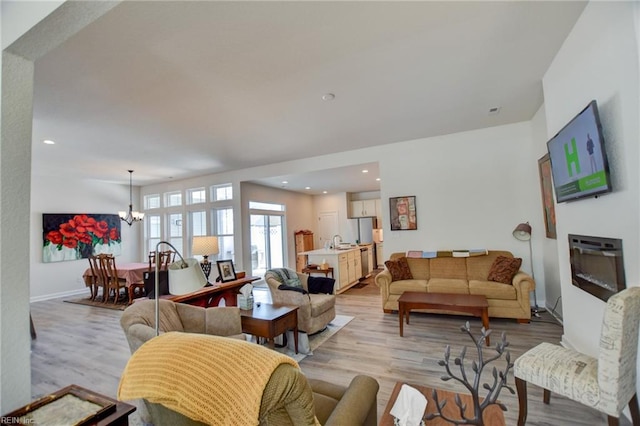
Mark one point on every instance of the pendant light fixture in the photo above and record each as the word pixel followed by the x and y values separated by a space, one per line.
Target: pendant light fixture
pixel 131 216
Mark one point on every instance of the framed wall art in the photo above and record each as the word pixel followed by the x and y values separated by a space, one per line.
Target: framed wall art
pixel 73 236
pixel 546 189
pixel 226 270
pixel 402 211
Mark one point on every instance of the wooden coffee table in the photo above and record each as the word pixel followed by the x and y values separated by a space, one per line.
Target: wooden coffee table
pixel 473 304
pixel 269 321
pixel 492 415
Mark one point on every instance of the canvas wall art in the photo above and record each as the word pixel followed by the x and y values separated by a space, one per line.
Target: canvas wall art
pixel 73 236
pixel 546 188
pixel 402 211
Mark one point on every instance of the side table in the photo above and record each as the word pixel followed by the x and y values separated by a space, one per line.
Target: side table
pixel 493 415
pixel 326 272
pixel 72 405
pixel 268 321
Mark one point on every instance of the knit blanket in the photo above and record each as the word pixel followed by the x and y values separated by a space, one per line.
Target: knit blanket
pixel 282 275
pixel 211 379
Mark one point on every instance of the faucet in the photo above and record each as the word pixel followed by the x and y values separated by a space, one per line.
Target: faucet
pixel 333 239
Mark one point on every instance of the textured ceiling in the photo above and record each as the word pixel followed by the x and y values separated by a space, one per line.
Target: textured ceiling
pixel 181 89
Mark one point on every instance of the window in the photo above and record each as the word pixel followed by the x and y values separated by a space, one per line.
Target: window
pixel 196 196
pixel 221 192
pixel 267 237
pixel 173 199
pixel 152 201
pixel 223 229
pixel 198 224
pixel 266 206
pixel 175 231
pixel 153 231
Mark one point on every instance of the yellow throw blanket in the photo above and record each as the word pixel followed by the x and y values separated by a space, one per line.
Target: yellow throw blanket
pixel 211 379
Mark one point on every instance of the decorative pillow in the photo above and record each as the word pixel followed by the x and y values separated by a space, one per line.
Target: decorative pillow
pixel 504 268
pixel 399 269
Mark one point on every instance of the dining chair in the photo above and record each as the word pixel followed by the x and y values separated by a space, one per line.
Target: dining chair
pixel 164 258
pixel 96 278
pixel 606 382
pixel 110 275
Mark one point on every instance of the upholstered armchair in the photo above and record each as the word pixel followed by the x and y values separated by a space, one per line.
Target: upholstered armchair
pixel 315 311
pixel 138 320
pixel 606 382
pixel 237 382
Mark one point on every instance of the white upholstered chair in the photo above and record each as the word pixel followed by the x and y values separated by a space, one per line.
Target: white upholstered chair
pixel 606 383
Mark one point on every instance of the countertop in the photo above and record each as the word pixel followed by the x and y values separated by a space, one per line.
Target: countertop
pixel 329 252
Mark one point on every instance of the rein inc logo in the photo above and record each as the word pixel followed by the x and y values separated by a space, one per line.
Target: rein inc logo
pixel 6 420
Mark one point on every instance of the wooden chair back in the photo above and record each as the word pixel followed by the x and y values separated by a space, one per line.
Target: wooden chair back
pixel 110 276
pixel 165 258
pixel 97 278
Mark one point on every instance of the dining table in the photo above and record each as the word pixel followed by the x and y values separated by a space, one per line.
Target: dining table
pixel 131 273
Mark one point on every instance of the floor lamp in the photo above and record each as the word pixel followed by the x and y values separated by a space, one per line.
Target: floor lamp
pixel 185 276
pixel 523 233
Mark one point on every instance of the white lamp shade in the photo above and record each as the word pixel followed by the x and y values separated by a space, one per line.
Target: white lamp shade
pixel 204 246
pixel 186 280
pixel 522 232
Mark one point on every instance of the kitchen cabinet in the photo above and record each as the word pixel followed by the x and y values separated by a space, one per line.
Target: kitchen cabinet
pixel 304 242
pixel 367 261
pixel 363 208
pixel 346 264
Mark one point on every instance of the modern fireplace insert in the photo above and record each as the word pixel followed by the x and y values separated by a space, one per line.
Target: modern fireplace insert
pixel 597 265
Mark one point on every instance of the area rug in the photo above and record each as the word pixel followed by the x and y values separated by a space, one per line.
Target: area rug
pixel 120 306
pixel 319 338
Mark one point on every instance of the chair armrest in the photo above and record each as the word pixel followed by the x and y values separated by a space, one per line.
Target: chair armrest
pixel 137 334
pixel 287 297
pixel 524 282
pixel 358 405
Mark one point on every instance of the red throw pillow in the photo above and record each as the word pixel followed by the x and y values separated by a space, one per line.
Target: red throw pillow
pixel 504 269
pixel 399 269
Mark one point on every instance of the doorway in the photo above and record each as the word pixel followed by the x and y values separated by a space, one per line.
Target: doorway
pixel 267 239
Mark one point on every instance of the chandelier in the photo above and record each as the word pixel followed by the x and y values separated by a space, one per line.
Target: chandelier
pixel 130 216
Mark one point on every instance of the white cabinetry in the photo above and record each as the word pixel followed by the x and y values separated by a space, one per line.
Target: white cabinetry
pixel 346 264
pixel 364 208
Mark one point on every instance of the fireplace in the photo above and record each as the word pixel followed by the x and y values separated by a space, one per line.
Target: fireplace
pixel 597 266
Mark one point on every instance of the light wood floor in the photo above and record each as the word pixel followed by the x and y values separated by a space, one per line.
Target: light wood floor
pixel 86 346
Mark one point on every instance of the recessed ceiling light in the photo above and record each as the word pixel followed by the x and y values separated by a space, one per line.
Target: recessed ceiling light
pixel 49 142
pixel 285 182
pixel 328 97
pixel 307 187
pixel 365 171
pixel 378 179
pixel 324 192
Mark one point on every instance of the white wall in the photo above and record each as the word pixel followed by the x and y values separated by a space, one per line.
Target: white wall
pixel 599 60
pixel 58 195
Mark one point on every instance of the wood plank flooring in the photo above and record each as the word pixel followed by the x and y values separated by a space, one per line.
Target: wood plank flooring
pixel 86 346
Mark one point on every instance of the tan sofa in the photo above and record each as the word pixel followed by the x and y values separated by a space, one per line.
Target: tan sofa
pixel 460 275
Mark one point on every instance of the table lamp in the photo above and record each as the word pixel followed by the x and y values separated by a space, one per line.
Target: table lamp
pixel 205 246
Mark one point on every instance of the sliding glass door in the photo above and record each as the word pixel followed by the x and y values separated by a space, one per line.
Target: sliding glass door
pixel 267 239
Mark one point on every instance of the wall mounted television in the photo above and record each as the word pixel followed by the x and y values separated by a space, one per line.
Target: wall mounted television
pixel 579 163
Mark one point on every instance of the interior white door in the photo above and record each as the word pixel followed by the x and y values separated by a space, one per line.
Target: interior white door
pixel 327 227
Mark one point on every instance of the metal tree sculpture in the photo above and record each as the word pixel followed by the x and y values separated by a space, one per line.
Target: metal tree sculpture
pixel 493 390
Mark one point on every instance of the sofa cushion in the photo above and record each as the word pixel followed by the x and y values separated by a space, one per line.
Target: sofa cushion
pixel 478 267
pixel 399 269
pixel 399 287
pixel 504 268
pixel 493 290
pixel 448 285
pixel 448 267
pixel 419 268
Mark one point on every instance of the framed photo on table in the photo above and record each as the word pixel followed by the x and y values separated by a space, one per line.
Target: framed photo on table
pixel 546 188
pixel 402 211
pixel 226 270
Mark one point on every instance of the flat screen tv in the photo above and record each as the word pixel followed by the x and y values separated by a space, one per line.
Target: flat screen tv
pixel 578 159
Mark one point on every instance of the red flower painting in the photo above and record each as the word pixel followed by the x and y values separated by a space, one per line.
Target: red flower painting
pixel 85 233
